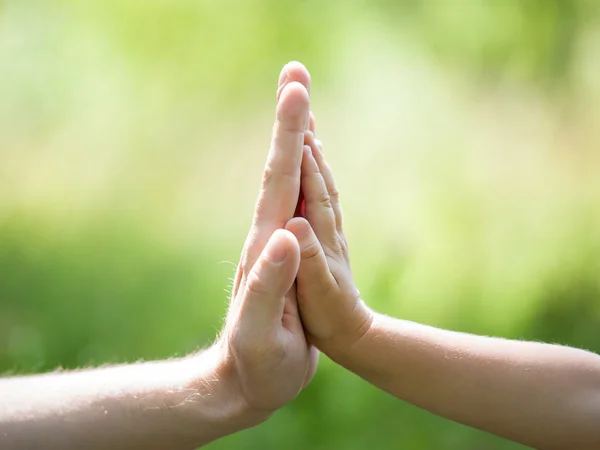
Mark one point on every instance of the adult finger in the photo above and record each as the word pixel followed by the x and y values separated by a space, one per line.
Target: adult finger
pixel 268 282
pixel 293 71
pixel 281 180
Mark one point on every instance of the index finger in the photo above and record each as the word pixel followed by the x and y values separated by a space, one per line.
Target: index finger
pixel 281 179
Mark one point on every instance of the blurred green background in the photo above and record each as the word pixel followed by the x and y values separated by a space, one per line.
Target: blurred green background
pixel 464 134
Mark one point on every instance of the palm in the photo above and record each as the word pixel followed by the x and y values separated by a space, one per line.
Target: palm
pixel 282 353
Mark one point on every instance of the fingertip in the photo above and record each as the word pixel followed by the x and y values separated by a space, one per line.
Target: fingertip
pixel 298 227
pixel 280 236
pixel 309 165
pixel 284 235
pixel 276 249
pixel 315 145
pixel 294 71
pixel 319 157
pixel 306 151
pixel 270 278
pixel 318 145
pixel 293 107
pixel 287 240
pixel 294 93
pixel 309 138
pixel 298 69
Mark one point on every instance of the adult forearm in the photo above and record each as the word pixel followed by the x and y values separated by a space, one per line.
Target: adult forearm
pixel 541 395
pixel 177 404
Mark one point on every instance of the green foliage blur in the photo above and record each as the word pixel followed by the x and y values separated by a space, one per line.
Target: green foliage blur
pixel 464 135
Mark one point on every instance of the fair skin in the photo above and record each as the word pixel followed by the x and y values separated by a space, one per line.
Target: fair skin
pixel 260 362
pixel 294 292
pixel 541 395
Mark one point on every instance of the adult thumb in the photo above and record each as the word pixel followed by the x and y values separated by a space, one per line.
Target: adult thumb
pixel 270 279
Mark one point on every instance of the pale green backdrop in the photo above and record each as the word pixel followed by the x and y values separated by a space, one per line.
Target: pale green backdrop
pixel 464 135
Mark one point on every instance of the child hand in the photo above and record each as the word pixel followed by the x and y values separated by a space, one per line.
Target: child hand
pixel 333 315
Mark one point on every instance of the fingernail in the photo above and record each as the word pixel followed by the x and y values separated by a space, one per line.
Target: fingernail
pixel 276 251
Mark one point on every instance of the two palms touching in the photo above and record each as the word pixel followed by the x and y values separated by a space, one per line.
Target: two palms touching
pixel 294 286
pixel 266 344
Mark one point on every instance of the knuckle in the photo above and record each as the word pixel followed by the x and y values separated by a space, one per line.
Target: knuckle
pixel 255 286
pixel 311 250
pixel 324 199
pixel 278 168
pixel 301 229
pixel 343 246
pixel 334 193
pixel 335 245
pixel 267 176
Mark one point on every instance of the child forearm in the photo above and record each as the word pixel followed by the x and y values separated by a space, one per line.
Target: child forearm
pixel 542 395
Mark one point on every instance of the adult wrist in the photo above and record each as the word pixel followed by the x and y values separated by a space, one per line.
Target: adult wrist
pixel 208 404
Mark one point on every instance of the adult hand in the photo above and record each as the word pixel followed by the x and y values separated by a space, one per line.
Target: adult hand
pixel 260 362
pixel 265 348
